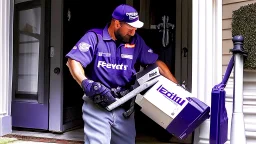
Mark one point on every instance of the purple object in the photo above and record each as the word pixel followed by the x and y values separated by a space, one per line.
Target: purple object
pixel 219 118
pixel 193 114
pixel 22 115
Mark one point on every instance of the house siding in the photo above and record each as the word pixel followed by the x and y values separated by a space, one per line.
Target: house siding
pixel 249 83
pixel 228 7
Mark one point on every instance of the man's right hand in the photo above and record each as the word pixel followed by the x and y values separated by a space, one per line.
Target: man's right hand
pixel 100 94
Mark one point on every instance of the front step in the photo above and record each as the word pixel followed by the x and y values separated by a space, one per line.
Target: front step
pixel 143 139
pixel 76 137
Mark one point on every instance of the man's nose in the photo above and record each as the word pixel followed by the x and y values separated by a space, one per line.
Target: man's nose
pixel 132 32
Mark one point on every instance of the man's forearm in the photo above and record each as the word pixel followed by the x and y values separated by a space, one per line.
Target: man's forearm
pixel 164 70
pixel 76 70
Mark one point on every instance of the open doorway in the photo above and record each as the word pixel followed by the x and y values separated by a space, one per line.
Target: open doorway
pixel 79 16
pixel 159 32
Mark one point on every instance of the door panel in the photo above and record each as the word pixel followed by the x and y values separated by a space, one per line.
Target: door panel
pixel 186 33
pixel 30 99
pixel 183 61
pixel 184 44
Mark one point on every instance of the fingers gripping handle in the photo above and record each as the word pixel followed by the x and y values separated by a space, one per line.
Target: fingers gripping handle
pixel 131 94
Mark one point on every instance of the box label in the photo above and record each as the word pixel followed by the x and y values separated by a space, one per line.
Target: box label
pixel 170 95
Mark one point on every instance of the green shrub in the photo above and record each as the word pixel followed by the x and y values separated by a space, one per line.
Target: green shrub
pixel 244 23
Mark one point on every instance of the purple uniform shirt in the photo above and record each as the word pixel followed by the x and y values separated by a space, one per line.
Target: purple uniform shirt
pixel 109 63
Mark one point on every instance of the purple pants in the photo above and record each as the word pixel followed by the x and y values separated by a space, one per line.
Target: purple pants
pixel 104 127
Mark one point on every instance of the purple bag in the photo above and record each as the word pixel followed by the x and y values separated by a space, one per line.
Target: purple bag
pixel 219 118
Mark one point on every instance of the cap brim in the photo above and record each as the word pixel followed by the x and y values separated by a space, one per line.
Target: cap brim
pixel 136 24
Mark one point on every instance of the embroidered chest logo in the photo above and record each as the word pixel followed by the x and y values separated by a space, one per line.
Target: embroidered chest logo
pixel 129 45
pixel 103 64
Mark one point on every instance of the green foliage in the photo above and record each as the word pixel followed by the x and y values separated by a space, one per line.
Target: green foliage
pixel 244 23
pixel 4 140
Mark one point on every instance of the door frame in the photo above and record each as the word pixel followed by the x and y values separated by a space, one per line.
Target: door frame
pixel 6 38
pixel 56 60
pixel 207 56
pixel 183 39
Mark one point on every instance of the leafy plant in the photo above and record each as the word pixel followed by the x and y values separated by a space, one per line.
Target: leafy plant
pixel 244 23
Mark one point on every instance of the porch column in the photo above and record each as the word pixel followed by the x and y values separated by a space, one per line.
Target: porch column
pixel 207 55
pixel 5 67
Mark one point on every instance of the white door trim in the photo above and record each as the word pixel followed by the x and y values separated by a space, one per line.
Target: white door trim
pixel 207 55
pixel 6 23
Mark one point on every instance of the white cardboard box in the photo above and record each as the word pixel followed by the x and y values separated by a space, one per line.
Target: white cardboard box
pixel 173 108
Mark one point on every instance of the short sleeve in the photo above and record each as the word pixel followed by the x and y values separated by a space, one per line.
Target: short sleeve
pixel 84 49
pixel 146 55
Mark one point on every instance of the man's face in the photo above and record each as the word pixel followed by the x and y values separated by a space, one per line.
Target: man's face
pixel 124 32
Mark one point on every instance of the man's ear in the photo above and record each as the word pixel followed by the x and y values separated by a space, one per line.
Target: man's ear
pixel 117 23
pixel 67 64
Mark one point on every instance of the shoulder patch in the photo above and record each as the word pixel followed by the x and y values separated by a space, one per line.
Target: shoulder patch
pixel 84 47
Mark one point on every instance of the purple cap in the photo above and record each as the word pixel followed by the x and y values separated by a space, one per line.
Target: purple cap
pixel 127 14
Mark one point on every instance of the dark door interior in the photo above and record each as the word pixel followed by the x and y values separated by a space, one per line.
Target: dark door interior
pixel 84 15
pixel 153 38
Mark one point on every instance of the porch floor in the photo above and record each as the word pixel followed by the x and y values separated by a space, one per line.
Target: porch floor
pixel 76 136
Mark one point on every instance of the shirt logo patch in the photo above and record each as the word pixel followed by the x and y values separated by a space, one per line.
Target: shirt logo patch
pixel 84 47
pixel 103 64
pixel 104 54
pixel 150 51
pixel 129 45
pixel 126 56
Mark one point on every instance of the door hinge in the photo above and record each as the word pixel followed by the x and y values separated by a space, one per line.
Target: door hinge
pixel 51 51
